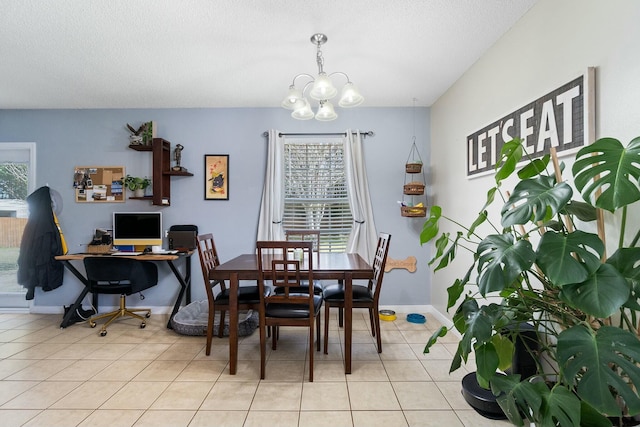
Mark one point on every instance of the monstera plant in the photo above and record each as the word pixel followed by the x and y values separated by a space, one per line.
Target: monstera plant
pixel 544 262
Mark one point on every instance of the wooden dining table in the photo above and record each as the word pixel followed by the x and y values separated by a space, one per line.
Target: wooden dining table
pixel 326 266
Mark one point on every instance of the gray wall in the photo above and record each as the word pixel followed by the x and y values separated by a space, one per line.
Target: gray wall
pixel 69 138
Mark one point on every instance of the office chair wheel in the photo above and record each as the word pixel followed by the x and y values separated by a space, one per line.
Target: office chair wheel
pixel 103 333
pixel 92 324
pixel 143 325
pixel 148 315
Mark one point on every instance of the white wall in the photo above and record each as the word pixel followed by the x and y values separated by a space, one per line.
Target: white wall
pixel 552 44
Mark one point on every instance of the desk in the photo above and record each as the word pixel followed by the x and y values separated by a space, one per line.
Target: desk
pixel 330 266
pixel 183 280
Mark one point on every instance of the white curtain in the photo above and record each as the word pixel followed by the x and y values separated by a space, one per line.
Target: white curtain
pixel 272 206
pixel 363 238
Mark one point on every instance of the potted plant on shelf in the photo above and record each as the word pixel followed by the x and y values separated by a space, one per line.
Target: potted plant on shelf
pixel 545 264
pixel 136 184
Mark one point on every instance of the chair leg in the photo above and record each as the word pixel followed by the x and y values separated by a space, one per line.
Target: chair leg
pixel 263 347
pixel 210 322
pixel 376 316
pixel 311 351
pixel 373 326
pixel 341 317
pixel 121 312
pixel 221 326
pixel 318 333
pixel 326 327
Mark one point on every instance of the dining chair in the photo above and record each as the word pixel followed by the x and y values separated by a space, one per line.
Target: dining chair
pixel 287 264
pixel 306 236
pixel 217 290
pixel 119 276
pixel 363 296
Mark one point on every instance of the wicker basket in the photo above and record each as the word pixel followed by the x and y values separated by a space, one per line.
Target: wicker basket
pixel 413 167
pixel 414 188
pixel 413 211
pixel 99 249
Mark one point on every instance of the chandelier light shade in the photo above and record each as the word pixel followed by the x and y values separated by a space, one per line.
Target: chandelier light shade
pixel 321 89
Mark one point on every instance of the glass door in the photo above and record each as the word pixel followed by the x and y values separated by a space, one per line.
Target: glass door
pixel 17 181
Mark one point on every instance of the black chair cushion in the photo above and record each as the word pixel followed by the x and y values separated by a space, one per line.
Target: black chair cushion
pixel 246 295
pixel 299 311
pixel 336 293
pixel 317 289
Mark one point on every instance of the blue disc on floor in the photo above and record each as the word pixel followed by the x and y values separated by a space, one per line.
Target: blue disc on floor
pixel 416 318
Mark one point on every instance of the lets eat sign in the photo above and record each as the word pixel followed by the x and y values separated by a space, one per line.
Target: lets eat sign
pixel 555 120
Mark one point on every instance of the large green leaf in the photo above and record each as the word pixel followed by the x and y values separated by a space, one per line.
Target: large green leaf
pixel 601 295
pixel 600 361
pixel 510 156
pixel 439 333
pixel 534 167
pixel 516 398
pixel 536 401
pixel 627 262
pixel 450 254
pixel 535 200
pixel 607 172
pixel 560 407
pixel 500 261
pixel 504 349
pixel 583 211
pixel 555 256
pixel 487 362
pixel 430 227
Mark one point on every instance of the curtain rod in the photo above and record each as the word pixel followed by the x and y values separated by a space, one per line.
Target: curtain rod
pixel 367 133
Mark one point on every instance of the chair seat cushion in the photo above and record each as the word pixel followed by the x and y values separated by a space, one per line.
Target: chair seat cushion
pixel 317 288
pixel 336 293
pixel 246 295
pixel 298 311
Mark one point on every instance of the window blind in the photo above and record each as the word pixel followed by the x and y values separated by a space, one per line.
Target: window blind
pixel 315 191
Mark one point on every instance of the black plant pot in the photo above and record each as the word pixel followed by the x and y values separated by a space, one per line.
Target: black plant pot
pixel 523 363
pixel 481 399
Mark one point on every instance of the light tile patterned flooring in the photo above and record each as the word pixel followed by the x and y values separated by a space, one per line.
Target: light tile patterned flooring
pixel 155 377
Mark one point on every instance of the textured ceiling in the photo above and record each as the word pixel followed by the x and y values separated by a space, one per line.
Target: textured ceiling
pixel 237 53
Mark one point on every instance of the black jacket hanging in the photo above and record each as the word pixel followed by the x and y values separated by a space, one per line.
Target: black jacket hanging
pixel 40 244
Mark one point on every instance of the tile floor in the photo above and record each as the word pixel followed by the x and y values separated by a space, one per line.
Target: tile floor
pixel 155 377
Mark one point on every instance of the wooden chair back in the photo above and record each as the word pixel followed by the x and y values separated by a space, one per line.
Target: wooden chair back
pixel 287 265
pixel 304 236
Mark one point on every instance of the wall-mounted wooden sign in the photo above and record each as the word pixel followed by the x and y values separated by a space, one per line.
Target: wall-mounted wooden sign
pixel 559 119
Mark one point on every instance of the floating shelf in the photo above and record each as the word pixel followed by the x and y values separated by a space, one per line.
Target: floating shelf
pixel 162 173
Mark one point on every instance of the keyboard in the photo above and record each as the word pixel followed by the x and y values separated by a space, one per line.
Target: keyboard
pixel 119 253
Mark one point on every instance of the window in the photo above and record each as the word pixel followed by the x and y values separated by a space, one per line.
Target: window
pixel 315 190
pixel 17 180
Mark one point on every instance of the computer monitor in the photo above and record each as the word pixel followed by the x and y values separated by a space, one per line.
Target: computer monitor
pixel 137 228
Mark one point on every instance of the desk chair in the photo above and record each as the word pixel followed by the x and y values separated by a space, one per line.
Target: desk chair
pixel 217 291
pixel 113 275
pixel 363 296
pixel 277 264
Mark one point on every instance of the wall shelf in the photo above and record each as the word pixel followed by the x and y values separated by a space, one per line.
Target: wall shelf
pixel 162 173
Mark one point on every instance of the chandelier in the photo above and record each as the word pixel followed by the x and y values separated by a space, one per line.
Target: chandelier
pixel 322 90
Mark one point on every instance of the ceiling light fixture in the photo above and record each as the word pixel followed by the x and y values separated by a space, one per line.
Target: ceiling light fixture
pixel 322 90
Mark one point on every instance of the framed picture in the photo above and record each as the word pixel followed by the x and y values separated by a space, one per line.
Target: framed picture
pixel 216 177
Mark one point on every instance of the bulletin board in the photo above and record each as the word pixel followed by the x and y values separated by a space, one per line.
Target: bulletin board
pixel 98 184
